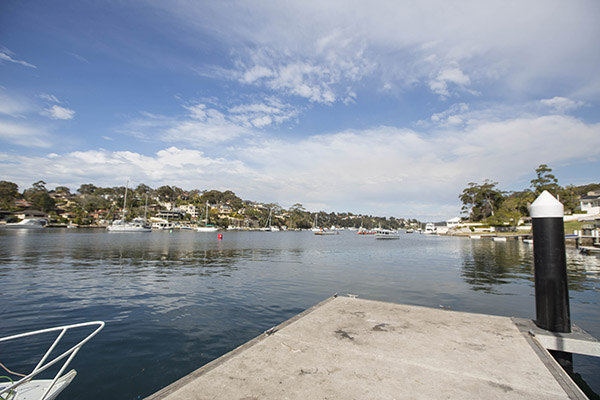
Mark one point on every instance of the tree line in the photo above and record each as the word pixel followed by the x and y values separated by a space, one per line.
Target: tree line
pixel 89 199
pixel 484 202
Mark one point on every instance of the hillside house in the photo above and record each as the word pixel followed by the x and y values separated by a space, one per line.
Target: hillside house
pixel 590 203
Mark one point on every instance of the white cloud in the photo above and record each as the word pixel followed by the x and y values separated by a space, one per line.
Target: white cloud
pixel 58 112
pixel 197 111
pixel 255 73
pixel 201 127
pixel 50 97
pixel 23 134
pixel 205 126
pixel 182 167
pixel 315 50
pixel 447 76
pixel 383 170
pixel 260 115
pixel 5 55
pixel 14 106
pixel 451 116
pixel 561 104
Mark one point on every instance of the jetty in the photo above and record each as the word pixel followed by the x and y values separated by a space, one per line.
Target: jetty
pixel 350 348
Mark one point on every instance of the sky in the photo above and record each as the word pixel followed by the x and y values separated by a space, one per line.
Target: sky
pixel 378 107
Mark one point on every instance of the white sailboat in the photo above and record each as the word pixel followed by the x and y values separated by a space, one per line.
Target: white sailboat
pixel 135 225
pixel 315 227
pixel 206 227
pixel 268 226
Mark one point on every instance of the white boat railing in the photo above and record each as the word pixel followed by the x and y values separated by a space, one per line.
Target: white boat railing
pixel 43 364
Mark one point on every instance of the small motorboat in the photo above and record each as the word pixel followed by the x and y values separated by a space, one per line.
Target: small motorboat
pixel 386 234
pixel 27 223
pixel 26 387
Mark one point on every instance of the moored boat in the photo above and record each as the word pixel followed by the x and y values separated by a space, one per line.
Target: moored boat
pixel 324 232
pixel 364 231
pixel 430 229
pixel 207 227
pixel 386 234
pixel 25 386
pixel 135 225
pixel 27 223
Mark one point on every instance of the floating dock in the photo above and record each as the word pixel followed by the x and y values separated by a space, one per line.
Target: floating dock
pixel 348 348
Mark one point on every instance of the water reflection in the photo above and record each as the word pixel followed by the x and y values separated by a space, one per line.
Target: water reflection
pixel 488 264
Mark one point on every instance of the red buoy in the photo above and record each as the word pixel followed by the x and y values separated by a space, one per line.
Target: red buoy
pixel 220 236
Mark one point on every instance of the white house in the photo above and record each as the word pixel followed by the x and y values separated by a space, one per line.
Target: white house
pixel 189 209
pixel 453 222
pixel 590 203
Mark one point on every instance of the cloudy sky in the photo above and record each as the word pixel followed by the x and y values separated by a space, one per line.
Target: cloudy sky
pixel 380 107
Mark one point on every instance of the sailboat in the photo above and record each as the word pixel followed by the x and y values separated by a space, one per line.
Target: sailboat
pixel 206 227
pixel 268 227
pixel 135 225
pixel 315 227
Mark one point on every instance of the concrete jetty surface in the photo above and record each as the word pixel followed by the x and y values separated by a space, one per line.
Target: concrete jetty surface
pixel 347 348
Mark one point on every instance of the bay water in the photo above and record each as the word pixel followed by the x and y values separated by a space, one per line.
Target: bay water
pixel 174 301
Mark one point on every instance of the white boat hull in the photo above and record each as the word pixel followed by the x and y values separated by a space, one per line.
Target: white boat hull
pixel 207 229
pixel 26 224
pixel 38 388
pixel 385 234
pixel 137 225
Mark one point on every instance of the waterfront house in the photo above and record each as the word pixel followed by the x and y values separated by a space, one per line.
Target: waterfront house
pixel 189 209
pixel 30 214
pixel 174 214
pixel 453 222
pixel 590 204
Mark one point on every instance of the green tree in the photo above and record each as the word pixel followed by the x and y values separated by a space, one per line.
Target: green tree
pixel 507 214
pixel 481 200
pixel 212 196
pixel 39 197
pixel 166 193
pixel 545 181
pixel 9 192
pixel 87 188
pixel 63 189
pixel 568 197
pixel 143 190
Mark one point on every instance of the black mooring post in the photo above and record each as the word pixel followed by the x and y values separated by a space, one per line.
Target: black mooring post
pixel 550 263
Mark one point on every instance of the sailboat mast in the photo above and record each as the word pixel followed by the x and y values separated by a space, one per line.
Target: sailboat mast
pixel 206 215
pixel 125 200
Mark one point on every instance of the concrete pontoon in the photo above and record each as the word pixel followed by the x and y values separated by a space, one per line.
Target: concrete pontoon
pixel 348 348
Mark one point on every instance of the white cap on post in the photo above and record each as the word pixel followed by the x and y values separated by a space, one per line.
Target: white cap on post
pixel 546 206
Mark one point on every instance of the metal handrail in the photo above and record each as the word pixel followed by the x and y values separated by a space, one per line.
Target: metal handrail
pixel 42 365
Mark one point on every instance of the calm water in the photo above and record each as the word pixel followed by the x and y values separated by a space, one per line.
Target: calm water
pixel 174 301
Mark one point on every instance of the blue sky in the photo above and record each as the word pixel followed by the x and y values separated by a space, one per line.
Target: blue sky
pixel 382 107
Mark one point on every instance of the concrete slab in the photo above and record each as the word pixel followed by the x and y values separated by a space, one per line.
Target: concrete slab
pixel 348 348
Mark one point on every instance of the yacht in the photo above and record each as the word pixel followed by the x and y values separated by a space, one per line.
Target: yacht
pixel 364 231
pixel 315 227
pixel 206 227
pixel 430 229
pixel 386 234
pixel 27 223
pixel 135 225
pixel 268 227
